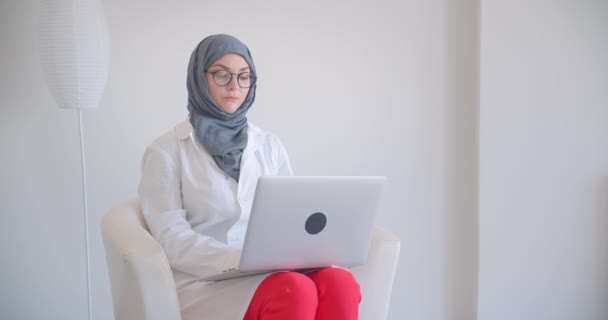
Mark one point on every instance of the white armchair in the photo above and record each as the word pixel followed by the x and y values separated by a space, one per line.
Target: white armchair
pixel 142 282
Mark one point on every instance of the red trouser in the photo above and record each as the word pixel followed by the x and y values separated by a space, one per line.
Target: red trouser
pixel 326 294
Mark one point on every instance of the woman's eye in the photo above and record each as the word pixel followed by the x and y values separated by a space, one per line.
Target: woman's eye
pixel 222 75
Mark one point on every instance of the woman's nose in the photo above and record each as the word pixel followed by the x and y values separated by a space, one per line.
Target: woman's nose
pixel 234 83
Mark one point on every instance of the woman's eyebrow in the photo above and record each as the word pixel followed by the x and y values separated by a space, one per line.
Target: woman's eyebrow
pixel 226 68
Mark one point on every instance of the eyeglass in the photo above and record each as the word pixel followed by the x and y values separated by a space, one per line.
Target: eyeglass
pixel 222 78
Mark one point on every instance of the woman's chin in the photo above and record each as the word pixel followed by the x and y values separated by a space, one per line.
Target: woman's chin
pixel 229 111
pixel 230 108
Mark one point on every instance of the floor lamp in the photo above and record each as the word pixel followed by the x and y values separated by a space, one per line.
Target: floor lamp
pixel 74 52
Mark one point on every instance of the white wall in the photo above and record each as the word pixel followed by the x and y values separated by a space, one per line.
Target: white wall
pixel 544 160
pixel 352 87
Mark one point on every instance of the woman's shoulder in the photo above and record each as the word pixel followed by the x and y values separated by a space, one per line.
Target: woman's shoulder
pixel 264 137
pixel 169 140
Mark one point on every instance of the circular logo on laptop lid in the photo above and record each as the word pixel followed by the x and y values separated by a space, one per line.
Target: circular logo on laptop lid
pixel 315 223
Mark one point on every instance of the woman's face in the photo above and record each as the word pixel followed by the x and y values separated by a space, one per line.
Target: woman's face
pixel 229 97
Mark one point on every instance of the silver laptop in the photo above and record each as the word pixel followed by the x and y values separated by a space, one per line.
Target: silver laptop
pixel 304 223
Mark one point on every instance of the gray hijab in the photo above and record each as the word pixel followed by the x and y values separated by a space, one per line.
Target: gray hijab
pixel 224 135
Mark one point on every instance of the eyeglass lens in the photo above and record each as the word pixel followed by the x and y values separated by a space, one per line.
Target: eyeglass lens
pixel 223 78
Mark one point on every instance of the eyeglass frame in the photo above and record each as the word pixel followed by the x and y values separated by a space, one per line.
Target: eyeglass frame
pixel 253 78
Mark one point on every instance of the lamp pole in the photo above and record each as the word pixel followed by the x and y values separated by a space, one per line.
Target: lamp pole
pixel 86 219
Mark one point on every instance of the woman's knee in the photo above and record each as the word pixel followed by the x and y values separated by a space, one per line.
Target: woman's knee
pixel 330 281
pixel 334 277
pixel 284 295
pixel 291 285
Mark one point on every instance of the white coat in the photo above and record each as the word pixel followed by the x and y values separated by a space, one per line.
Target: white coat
pixel 199 215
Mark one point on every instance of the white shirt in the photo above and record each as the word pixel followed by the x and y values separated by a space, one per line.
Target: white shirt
pixel 195 211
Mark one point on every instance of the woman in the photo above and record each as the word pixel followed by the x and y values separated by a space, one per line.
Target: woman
pixel 196 190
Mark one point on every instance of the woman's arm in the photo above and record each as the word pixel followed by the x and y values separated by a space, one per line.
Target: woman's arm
pixel 161 199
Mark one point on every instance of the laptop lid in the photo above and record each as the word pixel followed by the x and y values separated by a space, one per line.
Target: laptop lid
pixel 310 222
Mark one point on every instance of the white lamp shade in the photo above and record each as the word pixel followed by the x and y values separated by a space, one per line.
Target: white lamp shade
pixel 74 51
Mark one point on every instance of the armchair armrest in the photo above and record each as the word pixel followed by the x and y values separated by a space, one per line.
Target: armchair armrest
pixel 376 276
pixel 141 279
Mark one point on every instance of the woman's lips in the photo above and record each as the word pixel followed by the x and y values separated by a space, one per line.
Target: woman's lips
pixel 230 98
